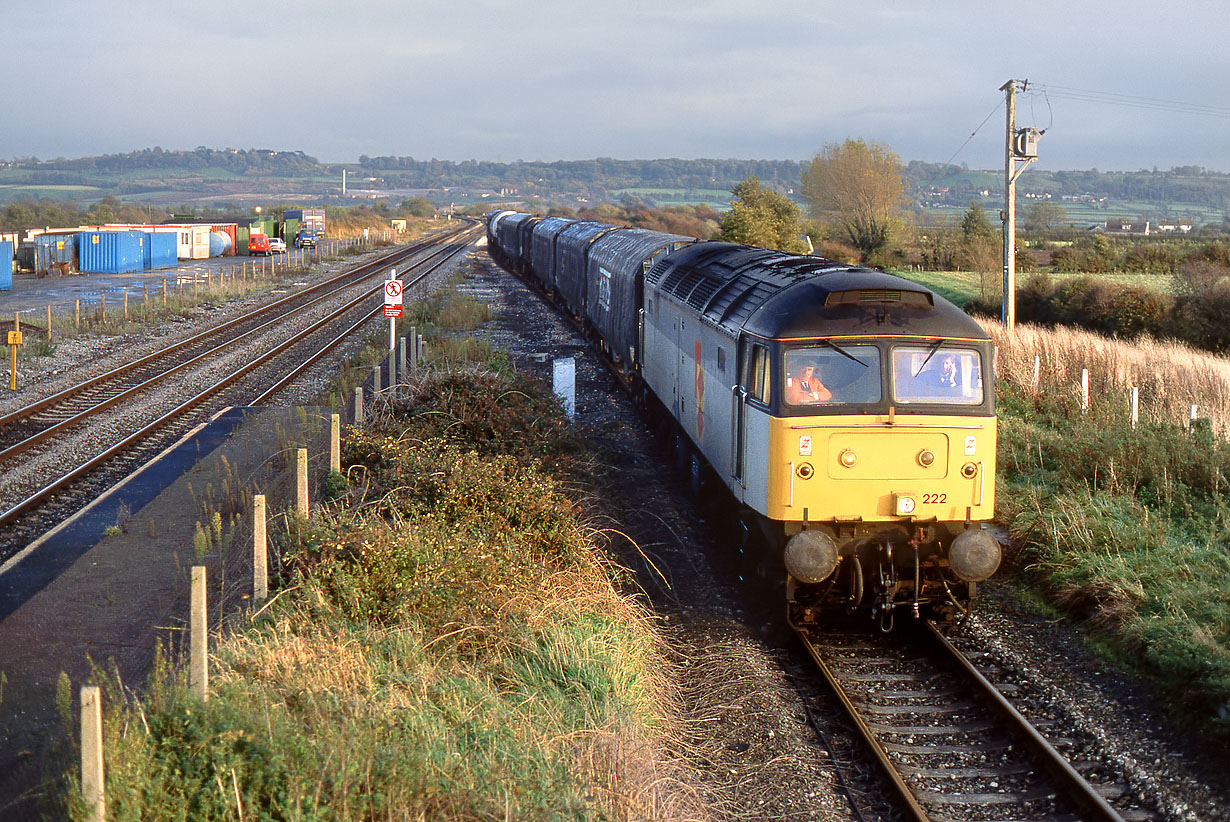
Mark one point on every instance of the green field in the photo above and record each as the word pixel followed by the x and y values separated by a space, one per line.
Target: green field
pixel 959 287
pixel 716 198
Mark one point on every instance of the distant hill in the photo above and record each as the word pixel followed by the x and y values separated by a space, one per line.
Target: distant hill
pixel 157 175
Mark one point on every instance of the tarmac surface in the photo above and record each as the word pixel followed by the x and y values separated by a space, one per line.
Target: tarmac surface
pixel 117 582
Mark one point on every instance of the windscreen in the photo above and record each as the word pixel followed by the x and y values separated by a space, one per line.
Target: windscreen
pixel 937 374
pixel 832 373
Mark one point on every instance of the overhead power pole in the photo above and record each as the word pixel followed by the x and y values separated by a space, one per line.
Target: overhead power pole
pixel 1020 150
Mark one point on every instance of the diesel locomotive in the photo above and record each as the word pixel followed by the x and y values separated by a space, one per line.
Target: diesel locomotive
pixel 849 412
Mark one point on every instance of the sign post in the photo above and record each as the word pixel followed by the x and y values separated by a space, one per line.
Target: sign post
pixel 392 305
pixel 14 340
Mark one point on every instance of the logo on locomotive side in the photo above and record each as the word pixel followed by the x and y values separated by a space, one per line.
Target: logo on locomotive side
pixel 971 446
pixel 700 394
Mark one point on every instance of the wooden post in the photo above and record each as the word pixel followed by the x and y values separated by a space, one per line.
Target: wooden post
pixel 49 322
pixel 77 317
pixel 164 292
pixel 302 496
pixel 1084 390
pixel 1135 406
pixel 260 551
pixel 335 443
pixel 358 405
pixel 146 287
pixel 102 304
pixel 93 778
pixel 125 305
pixel 198 669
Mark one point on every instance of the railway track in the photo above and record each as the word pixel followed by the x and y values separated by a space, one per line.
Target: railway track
pixel 25 428
pixel 951 743
pixel 317 318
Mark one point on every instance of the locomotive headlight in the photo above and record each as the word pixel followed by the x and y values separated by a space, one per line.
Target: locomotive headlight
pixel 904 503
pixel 811 556
pixel 969 470
pixel 805 471
pixel 974 555
pixel 848 458
pixel 926 458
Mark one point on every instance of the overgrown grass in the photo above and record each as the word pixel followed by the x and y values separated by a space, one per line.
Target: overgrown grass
pixel 447 644
pixel 1125 529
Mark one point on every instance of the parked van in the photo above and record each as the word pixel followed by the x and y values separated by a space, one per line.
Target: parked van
pixel 259 244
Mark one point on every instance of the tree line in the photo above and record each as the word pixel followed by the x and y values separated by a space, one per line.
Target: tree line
pixel 599 178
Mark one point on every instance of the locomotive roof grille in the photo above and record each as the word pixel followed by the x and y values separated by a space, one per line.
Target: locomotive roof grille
pixel 879 295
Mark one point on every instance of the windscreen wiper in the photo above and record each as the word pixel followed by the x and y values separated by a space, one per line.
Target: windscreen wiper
pixel 930 354
pixel 843 352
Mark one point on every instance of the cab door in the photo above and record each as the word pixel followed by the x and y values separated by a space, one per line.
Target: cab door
pixel 752 384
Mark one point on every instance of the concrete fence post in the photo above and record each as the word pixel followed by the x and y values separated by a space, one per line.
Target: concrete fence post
pixel 260 550
pixel 93 779
pixel 1135 406
pixel 1037 372
pixel 1084 390
pixel 358 405
pixel 402 373
pixel 198 668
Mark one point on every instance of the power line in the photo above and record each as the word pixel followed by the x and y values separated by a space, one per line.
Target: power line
pixel 974 132
pixel 1128 100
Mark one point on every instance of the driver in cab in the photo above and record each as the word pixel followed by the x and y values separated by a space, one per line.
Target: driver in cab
pixel 803 386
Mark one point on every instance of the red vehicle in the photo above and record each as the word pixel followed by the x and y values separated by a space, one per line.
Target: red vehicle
pixel 259 244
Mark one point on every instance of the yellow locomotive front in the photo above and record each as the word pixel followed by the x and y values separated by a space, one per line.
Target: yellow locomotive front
pixel 850 413
pixel 881 467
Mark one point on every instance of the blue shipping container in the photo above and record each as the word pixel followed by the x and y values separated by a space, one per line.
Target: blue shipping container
pixel 6 266
pixel 161 250
pixel 111 252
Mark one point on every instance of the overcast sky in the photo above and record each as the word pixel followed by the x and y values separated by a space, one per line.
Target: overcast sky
pixel 633 79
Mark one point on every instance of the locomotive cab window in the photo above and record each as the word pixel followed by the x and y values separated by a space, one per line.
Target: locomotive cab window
pixel 937 374
pixel 834 373
pixel 756 378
